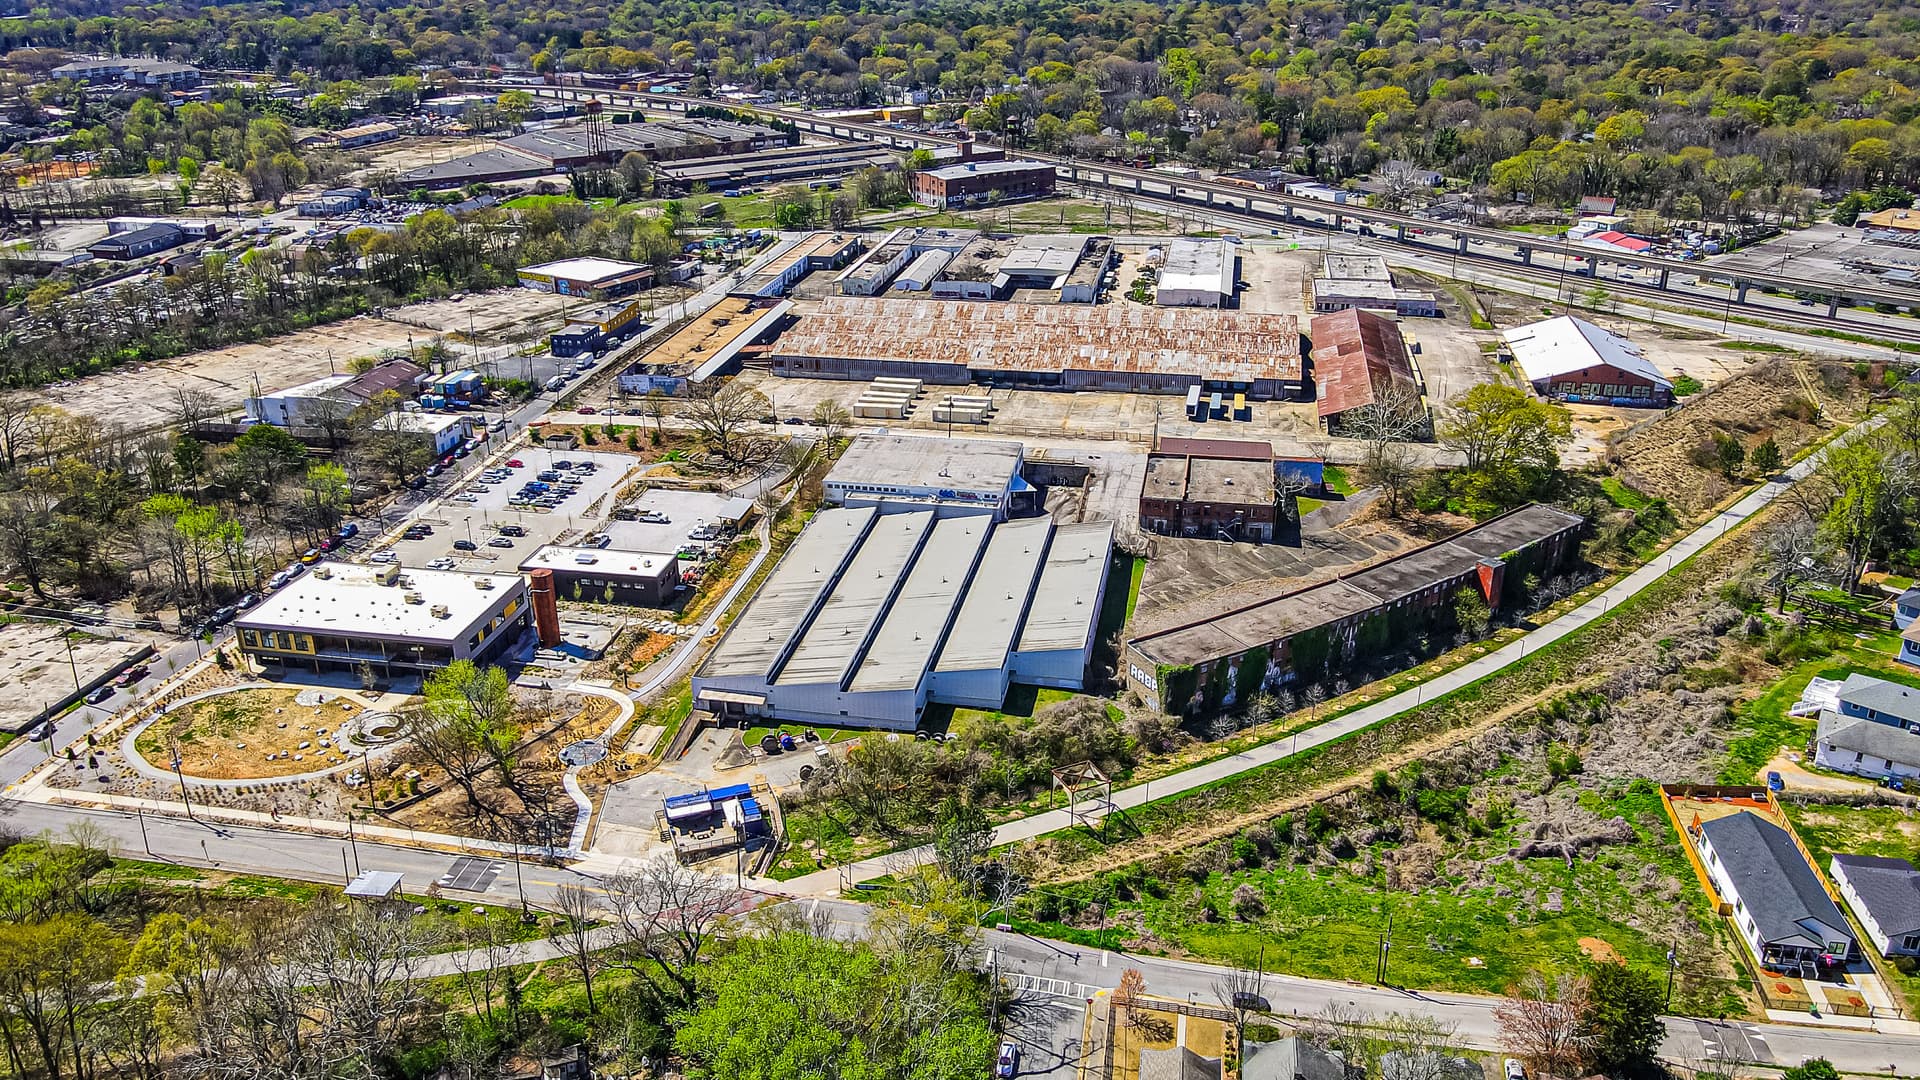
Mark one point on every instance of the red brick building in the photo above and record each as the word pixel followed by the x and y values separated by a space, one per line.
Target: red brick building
pixel 1210 488
pixel 975 182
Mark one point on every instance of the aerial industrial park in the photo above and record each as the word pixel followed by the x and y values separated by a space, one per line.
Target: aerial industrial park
pixel 1202 613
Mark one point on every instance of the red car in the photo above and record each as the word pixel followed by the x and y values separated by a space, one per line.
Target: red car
pixel 130 676
pixel 514 464
pixel 585 410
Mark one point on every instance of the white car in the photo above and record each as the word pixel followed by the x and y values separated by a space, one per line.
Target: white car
pixel 1515 1070
pixel 442 563
pixel 500 542
pixel 466 497
pixel 383 557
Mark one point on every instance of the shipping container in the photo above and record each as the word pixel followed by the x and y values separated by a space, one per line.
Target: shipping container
pixel 896 410
pixel 1240 410
pixel 1215 408
pixel 1193 404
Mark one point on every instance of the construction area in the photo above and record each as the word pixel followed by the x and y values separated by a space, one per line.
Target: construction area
pixel 43 665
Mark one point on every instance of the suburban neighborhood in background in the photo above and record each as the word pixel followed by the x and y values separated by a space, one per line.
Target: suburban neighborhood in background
pixel 1115 542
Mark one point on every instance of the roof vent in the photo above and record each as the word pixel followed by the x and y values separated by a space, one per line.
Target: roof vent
pixel 483 583
pixel 415 598
pixel 439 611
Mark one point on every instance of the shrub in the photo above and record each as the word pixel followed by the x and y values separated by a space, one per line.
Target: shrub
pixel 1683 385
pixel 1248 904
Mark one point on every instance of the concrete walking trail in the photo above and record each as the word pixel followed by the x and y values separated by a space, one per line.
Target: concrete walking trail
pixel 831 881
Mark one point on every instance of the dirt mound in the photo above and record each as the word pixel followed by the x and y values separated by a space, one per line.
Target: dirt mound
pixel 1792 401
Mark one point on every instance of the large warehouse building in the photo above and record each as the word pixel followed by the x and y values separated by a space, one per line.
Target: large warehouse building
pixel 870 617
pixel 1113 347
pixel 599 278
pixel 1361 360
pixel 914 472
pixel 1307 634
pixel 1570 359
pixel 1197 273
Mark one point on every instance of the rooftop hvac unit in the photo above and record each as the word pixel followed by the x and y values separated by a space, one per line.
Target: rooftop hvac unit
pixel 415 598
pixel 483 583
pixel 322 572
pixel 439 611
pixel 387 574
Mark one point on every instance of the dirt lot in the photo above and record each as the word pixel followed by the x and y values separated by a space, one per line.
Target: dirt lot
pixel 1277 276
pixel 412 152
pixel 146 396
pixel 37 670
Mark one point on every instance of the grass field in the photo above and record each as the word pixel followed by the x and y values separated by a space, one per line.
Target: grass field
pixel 1623 496
pixel 1452 933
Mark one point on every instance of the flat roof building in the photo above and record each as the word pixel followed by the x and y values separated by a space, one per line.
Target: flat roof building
pixel 1363 281
pixel 593 277
pixel 1171 665
pixel 1191 488
pixel 777 166
pixel 1113 347
pixel 339 616
pixel 606 575
pixel 816 251
pixel 709 344
pixel 977 182
pixel 1568 358
pixel 1197 273
pixel 871 617
pixel 918 472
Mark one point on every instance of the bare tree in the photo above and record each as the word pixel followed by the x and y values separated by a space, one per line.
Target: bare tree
pixel 579 913
pixel 1793 552
pixel 1397 416
pixel 665 916
pixel 721 416
pixel 1239 990
pixel 1542 1023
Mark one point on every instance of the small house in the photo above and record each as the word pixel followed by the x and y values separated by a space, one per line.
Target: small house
pixel 1884 894
pixel 1779 904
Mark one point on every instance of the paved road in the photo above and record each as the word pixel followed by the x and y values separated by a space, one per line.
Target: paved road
pixel 832 881
pixel 1051 971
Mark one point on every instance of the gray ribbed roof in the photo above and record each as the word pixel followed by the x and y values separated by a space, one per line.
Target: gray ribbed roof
pixel 1888 888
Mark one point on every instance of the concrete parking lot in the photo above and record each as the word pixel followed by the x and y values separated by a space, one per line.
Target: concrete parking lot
pixel 453 518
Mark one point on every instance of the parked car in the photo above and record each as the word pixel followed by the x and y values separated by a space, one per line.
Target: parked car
pixel 383 557
pixel 131 675
pixel 223 616
pixel 436 469
pixel 500 542
pixel 329 543
pixel 512 530
pixel 440 564
pixel 465 545
pixel 310 556
pixel 247 601
pixel 41 733
pixel 348 531
pixel 1009 1061
pixel 100 694
pixel 514 463
pixel 1515 1070
pixel 586 410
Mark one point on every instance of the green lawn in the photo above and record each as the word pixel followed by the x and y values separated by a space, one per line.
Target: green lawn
pixel 1306 505
pixel 1450 934
pixel 1623 496
pixel 528 202
pixel 1134 577
pixel 1336 480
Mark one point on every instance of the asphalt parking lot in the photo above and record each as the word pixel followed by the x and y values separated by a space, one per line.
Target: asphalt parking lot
pixel 685 511
pixel 453 517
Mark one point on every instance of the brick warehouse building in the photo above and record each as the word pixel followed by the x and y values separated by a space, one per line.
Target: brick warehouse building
pixel 1211 488
pixel 1302 636
pixel 977 182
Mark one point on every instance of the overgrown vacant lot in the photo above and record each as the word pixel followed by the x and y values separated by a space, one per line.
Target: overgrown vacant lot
pixel 1513 825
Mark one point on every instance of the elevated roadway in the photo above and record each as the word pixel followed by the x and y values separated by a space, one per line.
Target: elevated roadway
pixel 1279 208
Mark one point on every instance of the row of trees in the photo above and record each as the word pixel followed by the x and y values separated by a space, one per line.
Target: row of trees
pixel 1702 115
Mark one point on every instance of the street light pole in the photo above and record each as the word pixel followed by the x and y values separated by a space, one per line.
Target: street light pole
pixel 353 842
pixel 141 816
pixel 173 744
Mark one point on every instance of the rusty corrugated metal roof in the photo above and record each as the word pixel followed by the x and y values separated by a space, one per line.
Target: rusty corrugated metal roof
pixel 1230 345
pixel 1356 356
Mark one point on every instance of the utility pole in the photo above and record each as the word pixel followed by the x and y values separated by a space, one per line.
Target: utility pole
pixel 1673 965
pixel 173 744
pixel 1386 946
pixel 141 816
pixel 353 842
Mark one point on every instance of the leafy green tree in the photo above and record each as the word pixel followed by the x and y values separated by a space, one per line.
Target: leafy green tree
pixel 1510 440
pixel 466 723
pixel 1622 1028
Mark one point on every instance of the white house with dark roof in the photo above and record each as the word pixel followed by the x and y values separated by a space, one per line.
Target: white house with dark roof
pixel 1864 747
pixel 1906 608
pixel 1884 894
pixel 1779 904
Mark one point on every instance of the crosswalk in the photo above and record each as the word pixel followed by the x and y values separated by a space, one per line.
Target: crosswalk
pixel 1734 1042
pixel 1047 987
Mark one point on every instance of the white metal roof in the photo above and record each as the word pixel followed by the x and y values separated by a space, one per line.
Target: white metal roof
pixel 1067 601
pixel 928 461
pixel 608 562
pixel 353 601
pixel 841 628
pixel 997 599
pixel 583 269
pixel 1567 343
pixel 806 572
pixel 918 618
pixel 1197 266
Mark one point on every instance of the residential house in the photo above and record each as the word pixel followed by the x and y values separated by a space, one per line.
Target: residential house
pixel 1909 653
pixel 1291 1058
pixel 1884 894
pixel 1779 903
pixel 1906 608
pixel 1177 1063
pixel 1863 697
pixel 1864 747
